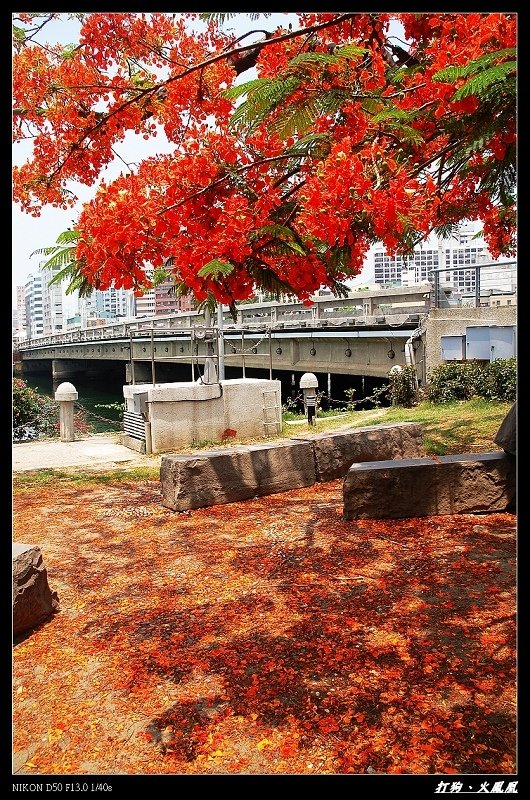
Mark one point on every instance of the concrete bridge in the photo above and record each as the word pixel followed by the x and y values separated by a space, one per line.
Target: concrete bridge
pixel 363 334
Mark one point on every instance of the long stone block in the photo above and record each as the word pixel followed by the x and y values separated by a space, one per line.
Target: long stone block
pixel 336 451
pixel 418 487
pixel 209 478
pixel 33 600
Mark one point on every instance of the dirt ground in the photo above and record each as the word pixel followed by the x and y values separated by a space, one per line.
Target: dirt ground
pixel 264 637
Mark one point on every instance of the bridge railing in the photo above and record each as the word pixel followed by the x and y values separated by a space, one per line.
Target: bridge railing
pixel 324 309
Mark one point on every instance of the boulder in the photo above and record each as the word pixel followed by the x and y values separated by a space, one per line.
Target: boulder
pixel 506 436
pixel 33 600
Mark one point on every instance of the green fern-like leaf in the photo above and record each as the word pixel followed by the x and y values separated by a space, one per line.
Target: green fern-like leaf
pixel 446 231
pixel 248 87
pixel 338 258
pixel 181 289
pixel 210 304
pixel 316 145
pixel 274 231
pixel 453 73
pixel 224 16
pixel 215 269
pixel 283 248
pixel 297 118
pixel 393 113
pixel 310 59
pixel 160 275
pixel 407 133
pixel 267 280
pixel 261 101
pixel 350 51
pixel 339 288
pixel 58 257
pixel 77 282
pixel 479 83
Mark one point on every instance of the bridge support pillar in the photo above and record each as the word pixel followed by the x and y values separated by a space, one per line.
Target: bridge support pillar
pixel 142 372
pixel 61 370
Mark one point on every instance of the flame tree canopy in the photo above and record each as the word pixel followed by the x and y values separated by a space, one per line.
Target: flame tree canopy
pixel 349 135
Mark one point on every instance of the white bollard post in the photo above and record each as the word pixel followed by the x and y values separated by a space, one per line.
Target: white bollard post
pixel 66 394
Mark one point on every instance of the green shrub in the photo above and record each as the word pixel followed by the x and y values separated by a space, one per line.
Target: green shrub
pixel 498 380
pixel 462 380
pixel 403 386
pixel 35 415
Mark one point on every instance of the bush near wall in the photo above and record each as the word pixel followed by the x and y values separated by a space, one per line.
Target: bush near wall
pixel 462 380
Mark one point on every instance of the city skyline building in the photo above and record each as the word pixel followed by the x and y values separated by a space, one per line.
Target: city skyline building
pixel 52 301
pixel 464 248
pixel 33 304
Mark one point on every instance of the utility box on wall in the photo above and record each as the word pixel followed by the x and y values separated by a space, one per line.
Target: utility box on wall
pixel 489 342
pixel 503 341
pixel 453 348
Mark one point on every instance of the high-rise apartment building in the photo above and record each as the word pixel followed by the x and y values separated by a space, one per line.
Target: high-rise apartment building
pixel 108 304
pixel 21 312
pixel 52 302
pixel 34 306
pixel 167 303
pixel 463 249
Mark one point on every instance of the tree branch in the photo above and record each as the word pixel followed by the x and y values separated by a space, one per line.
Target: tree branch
pixel 229 55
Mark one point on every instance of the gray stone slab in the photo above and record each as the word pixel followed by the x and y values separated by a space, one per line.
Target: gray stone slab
pixel 336 451
pixel 214 477
pixel 33 600
pixel 418 487
pixel 506 436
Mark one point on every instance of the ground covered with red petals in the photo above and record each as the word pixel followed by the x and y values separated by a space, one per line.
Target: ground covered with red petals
pixel 268 636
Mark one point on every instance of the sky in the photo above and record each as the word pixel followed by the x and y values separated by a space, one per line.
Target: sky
pixel 32 233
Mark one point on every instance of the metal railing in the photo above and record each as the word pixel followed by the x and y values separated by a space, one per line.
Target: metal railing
pixel 358 305
pixel 437 289
pixel 207 347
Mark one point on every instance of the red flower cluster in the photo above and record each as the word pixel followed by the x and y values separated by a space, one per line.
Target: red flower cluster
pixel 368 142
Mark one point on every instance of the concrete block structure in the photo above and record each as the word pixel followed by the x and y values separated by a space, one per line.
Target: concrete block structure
pixel 169 416
pixel 237 473
pixel 336 451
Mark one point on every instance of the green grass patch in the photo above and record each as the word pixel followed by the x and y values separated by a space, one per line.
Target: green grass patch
pixel 45 477
pixel 463 426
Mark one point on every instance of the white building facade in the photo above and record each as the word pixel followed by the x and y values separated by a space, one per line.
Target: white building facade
pixel 463 249
pixel 52 302
pixel 33 300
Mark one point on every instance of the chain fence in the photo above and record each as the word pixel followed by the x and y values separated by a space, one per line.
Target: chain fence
pixel 116 422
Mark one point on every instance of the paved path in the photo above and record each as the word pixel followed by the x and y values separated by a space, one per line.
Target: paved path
pixel 101 451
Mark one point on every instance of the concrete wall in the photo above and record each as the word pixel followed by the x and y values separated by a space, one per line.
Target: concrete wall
pixel 182 414
pixel 454 321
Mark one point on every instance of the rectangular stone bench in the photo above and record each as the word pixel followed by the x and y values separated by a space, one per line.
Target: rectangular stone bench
pixel 209 478
pixel 212 477
pixel 460 484
pixel 336 451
